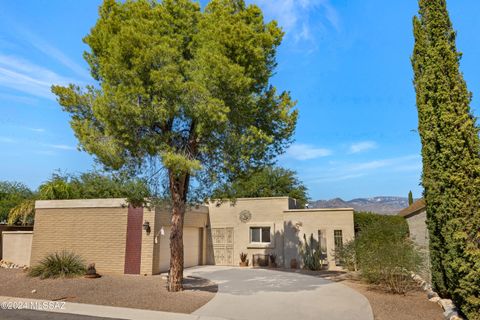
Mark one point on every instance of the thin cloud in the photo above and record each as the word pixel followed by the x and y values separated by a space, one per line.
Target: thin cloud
pixel 45 152
pixel 7 140
pixel 18 98
pixel 60 146
pixel 336 178
pixel 39 130
pixel 362 146
pixel 294 16
pixel 56 54
pixel 347 171
pixel 306 152
pixel 382 163
pixel 27 77
pixel 23 34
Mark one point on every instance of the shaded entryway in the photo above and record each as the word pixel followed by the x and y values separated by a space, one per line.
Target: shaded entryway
pixel 192 248
pixel 245 293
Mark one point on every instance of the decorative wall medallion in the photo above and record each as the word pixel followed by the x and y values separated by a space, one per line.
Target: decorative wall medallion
pixel 245 216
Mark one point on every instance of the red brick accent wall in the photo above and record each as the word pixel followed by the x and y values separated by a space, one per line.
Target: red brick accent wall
pixel 133 248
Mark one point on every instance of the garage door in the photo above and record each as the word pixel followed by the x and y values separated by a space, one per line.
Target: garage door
pixel 191 248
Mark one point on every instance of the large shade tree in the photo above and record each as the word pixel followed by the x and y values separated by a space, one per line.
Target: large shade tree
pixel 265 182
pixel 451 162
pixel 183 89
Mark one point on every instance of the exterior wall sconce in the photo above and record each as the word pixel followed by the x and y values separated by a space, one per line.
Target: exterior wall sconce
pixel 146 227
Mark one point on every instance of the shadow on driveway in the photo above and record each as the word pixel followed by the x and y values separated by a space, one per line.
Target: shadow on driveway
pixel 268 294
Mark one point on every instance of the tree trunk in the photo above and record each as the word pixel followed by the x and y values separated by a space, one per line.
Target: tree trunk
pixel 178 191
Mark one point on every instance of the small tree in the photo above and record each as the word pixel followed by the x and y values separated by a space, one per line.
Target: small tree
pixel 181 91
pixel 450 155
pixel 23 213
pixel 11 195
pixel 410 198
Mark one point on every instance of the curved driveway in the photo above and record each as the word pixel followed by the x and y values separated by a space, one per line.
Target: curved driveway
pixel 264 294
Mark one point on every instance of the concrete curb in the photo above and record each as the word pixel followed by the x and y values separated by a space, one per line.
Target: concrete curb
pixel 14 303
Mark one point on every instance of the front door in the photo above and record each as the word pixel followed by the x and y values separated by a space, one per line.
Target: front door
pixel 222 242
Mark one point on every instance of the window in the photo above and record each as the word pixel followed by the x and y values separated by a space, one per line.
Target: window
pixel 260 234
pixel 338 239
pixel 322 242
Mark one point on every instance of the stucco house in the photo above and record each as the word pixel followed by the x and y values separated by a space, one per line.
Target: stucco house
pixel 416 216
pixel 126 240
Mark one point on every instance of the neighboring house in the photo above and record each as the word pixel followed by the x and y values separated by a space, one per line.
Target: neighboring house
pixel 122 239
pixel 416 216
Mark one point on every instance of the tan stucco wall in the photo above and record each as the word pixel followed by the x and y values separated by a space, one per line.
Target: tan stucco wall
pixel 195 217
pixel 96 229
pixel 93 229
pixel 17 246
pixel 265 212
pixel 417 225
pixel 418 228
pixel 275 213
pixel 307 222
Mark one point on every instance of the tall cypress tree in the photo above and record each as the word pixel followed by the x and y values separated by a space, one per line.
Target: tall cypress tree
pixel 451 162
pixel 410 198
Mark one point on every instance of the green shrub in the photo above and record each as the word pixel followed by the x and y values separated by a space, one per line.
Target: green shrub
pixel 347 255
pixel 311 253
pixel 93 185
pixel 383 255
pixel 11 195
pixel 56 265
pixel 363 220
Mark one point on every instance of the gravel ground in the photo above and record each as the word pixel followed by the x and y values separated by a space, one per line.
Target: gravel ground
pixel 386 306
pixel 142 292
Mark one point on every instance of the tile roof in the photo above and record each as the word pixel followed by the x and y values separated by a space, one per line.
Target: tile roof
pixel 414 207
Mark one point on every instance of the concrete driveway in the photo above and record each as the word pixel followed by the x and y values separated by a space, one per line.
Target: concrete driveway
pixel 245 293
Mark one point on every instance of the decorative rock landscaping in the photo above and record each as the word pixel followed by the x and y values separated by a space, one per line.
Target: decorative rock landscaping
pixel 450 311
pixel 10 265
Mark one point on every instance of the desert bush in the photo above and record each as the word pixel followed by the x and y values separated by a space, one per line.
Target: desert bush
pixel 347 255
pixel 363 220
pixel 59 264
pixel 384 256
pixel 311 253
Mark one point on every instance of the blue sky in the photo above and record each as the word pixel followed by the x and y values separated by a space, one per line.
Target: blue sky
pixel 345 62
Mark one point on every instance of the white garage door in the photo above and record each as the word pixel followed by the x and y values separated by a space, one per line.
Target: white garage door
pixel 191 248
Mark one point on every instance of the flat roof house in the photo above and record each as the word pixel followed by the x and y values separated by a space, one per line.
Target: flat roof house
pixel 416 216
pixel 122 239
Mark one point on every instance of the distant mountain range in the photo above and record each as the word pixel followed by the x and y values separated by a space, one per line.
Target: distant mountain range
pixel 381 204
